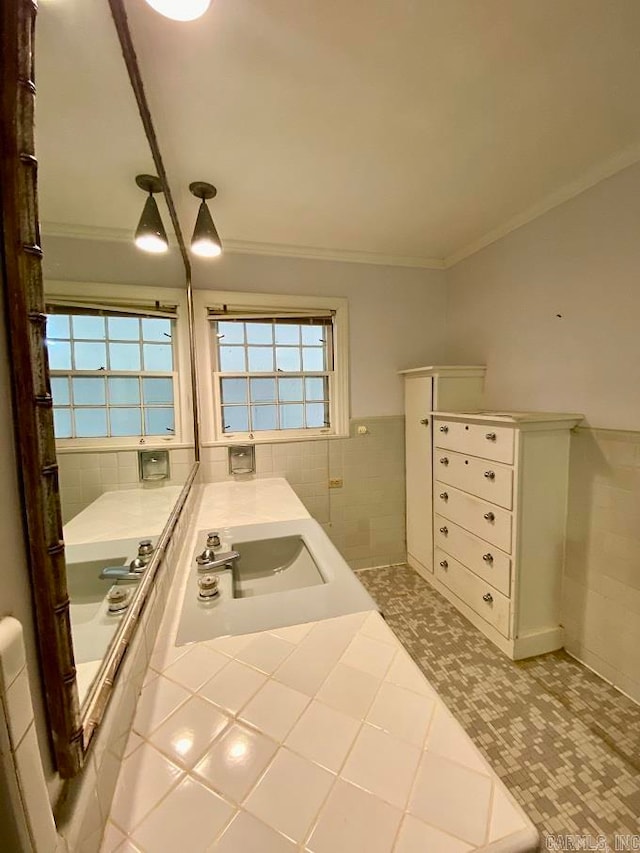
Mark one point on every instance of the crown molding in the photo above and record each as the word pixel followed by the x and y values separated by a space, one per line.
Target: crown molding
pixel 592 177
pixel 283 250
pixel 245 247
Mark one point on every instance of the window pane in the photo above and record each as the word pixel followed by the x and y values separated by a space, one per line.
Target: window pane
pixel 232 359
pixel 313 358
pixel 91 423
pixel 291 416
pixel 263 390
pixel 62 423
pixel 125 421
pixel 123 328
pixel 124 357
pixel 124 390
pixel 260 359
pixel 60 391
pixel 156 329
pixel 259 333
pixel 234 390
pixel 290 389
pixel 313 335
pixel 89 391
pixel 157 390
pixel 287 333
pixel 59 355
pixel 90 356
pixel 158 357
pixel 58 326
pixel 235 419
pixel 159 421
pixel 263 417
pixel 317 414
pixel 288 358
pixel 316 388
pixel 230 333
pixel 91 328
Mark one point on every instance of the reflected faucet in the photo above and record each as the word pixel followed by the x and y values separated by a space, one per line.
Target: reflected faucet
pixel 135 569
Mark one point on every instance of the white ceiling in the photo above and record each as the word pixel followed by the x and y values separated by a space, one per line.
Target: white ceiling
pixel 413 131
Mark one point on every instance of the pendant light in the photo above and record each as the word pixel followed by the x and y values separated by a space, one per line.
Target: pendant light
pixel 150 233
pixel 205 241
pixel 180 10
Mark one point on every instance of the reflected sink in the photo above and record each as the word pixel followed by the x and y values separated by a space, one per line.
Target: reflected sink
pixel 273 565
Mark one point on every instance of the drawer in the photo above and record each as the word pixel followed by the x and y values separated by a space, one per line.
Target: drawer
pixel 484 560
pixel 488 521
pixel 489 442
pixel 486 479
pixel 486 601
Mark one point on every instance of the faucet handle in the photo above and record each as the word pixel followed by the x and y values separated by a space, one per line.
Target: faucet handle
pixel 145 547
pixel 213 539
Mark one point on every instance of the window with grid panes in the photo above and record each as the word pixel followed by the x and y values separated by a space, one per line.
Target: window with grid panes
pixel 112 375
pixel 274 374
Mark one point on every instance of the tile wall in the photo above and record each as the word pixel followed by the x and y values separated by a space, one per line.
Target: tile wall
pixel 365 517
pixel 601 595
pixel 86 476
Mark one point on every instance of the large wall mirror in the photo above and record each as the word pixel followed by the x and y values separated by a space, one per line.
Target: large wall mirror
pixel 118 339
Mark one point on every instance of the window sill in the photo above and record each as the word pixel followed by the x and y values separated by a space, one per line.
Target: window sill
pixel 113 448
pixel 289 439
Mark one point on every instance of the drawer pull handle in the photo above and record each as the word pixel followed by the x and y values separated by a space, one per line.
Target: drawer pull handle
pixel 444 564
pixel 490 475
pixel 487 597
pixel 491 436
pixel 444 461
pixel 488 558
pixel 444 429
pixel 444 496
pixel 489 516
pixel 424 421
pixel 444 530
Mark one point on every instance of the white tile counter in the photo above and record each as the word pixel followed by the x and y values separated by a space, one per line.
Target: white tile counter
pixel 323 737
pixel 125 514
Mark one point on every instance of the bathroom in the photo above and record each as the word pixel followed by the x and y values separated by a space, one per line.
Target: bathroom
pixel 426 223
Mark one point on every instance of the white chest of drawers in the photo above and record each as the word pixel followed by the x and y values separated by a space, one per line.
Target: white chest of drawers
pixel 500 500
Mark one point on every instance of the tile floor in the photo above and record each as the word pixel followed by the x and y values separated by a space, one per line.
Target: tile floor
pixel 565 742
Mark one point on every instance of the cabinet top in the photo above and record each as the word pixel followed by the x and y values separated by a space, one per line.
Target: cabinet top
pixel 565 419
pixel 446 370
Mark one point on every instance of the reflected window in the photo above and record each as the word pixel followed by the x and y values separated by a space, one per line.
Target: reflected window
pixel 112 375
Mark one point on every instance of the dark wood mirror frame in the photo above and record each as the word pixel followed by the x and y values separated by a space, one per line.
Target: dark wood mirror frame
pixel 21 262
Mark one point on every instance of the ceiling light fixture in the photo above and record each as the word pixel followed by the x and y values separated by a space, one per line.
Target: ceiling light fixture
pixel 180 10
pixel 205 241
pixel 150 233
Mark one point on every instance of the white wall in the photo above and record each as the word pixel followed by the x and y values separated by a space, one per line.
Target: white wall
pixel 396 314
pixel 580 260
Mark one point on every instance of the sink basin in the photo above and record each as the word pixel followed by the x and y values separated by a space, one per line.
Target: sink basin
pixel 273 565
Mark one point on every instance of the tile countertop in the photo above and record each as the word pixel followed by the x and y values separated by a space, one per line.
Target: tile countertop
pixel 323 737
pixel 125 514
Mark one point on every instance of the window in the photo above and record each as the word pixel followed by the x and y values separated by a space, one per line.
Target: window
pixel 112 374
pixel 278 369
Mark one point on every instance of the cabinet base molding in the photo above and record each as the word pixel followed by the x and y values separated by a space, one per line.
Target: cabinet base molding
pixel 529 645
pixel 424 571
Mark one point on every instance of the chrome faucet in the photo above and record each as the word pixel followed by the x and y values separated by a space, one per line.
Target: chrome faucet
pixel 135 569
pixel 212 559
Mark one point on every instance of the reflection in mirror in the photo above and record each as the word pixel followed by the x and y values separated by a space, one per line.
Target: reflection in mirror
pixel 117 325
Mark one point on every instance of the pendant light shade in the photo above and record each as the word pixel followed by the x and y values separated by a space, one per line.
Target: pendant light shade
pixel 150 233
pixel 205 241
pixel 180 10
